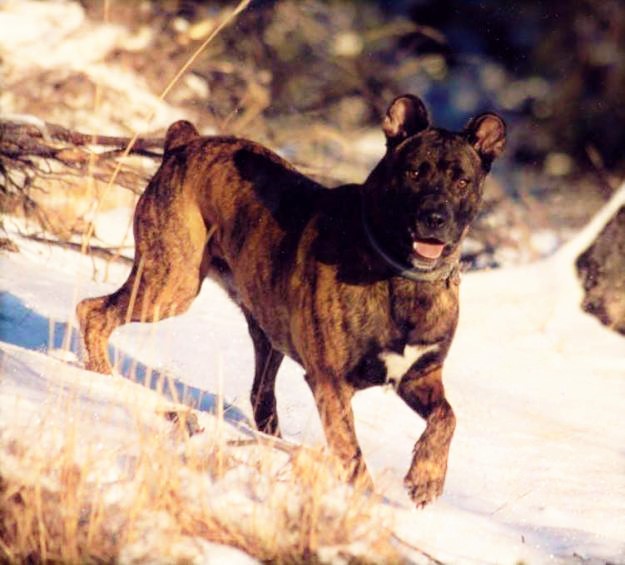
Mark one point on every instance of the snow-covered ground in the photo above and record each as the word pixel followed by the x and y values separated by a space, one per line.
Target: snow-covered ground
pixel 537 467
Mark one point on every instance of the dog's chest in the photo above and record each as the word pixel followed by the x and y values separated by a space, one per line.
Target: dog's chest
pixel 388 365
pixel 398 364
pixel 416 336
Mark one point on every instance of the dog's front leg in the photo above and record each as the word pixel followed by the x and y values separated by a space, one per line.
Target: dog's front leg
pixel 425 394
pixel 335 410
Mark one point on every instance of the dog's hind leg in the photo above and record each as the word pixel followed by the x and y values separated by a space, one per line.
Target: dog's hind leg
pixel 425 394
pixel 263 395
pixel 165 277
pixel 337 418
pixel 98 317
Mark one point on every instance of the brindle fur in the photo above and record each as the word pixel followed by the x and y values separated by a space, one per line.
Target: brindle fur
pixel 296 259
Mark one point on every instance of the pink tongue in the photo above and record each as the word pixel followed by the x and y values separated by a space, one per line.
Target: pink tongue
pixel 428 250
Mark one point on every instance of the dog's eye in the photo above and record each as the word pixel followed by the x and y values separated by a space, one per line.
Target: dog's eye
pixel 463 183
pixel 413 173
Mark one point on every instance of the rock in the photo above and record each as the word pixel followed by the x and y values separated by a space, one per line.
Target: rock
pixel 601 269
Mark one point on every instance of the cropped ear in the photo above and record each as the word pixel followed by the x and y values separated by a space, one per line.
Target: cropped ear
pixel 179 133
pixel 487 134
pixel 405 116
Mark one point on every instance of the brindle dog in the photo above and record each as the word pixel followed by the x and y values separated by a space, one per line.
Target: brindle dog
pixel 359 284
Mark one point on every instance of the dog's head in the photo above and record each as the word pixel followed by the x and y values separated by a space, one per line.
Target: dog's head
pixel 426 191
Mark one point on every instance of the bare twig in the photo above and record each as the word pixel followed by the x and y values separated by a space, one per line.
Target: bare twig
pixel 607 184
pixel 416 549
pixel 110 254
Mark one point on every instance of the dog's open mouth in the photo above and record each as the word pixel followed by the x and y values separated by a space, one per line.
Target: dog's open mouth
pixel 427 250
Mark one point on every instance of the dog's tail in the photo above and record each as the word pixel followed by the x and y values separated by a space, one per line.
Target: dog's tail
pixel 179 133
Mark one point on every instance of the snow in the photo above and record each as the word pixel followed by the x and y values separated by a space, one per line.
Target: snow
pixel 537 466
pixel 75 44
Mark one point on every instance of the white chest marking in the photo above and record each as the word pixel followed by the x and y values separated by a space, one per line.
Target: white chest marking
pixel 397 365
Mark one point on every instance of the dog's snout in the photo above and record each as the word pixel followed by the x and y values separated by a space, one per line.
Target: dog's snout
pixel 435 217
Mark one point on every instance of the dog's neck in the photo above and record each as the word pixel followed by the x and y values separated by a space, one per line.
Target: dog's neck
pixel 448 271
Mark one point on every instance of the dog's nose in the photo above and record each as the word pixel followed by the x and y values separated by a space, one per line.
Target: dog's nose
pixel 435 218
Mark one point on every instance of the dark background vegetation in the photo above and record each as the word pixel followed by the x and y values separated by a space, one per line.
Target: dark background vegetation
pixel 577 47
pixel 557 66
pixel 313 78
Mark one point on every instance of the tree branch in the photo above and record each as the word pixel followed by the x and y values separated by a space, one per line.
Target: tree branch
pixel 32 150
pixel 36 155
pixel 24 130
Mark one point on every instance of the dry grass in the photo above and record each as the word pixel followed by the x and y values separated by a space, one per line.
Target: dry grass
pixel 67 498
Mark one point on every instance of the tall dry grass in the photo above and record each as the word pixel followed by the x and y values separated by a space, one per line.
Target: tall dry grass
pixel 150 493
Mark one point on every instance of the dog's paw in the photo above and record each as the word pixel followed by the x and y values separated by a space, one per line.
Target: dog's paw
pixel 424 492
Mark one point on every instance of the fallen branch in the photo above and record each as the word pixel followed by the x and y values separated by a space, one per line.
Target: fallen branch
pixel 36 155
pixel 31 150
pixel 23 130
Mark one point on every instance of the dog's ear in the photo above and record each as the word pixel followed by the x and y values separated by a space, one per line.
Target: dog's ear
pixel 405 116
pixel 487 134
pixel 179 133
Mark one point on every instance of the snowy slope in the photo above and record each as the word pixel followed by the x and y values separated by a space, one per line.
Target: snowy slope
pixel 537 467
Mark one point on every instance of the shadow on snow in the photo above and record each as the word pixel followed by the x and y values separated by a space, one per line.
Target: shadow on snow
pixel 22 326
